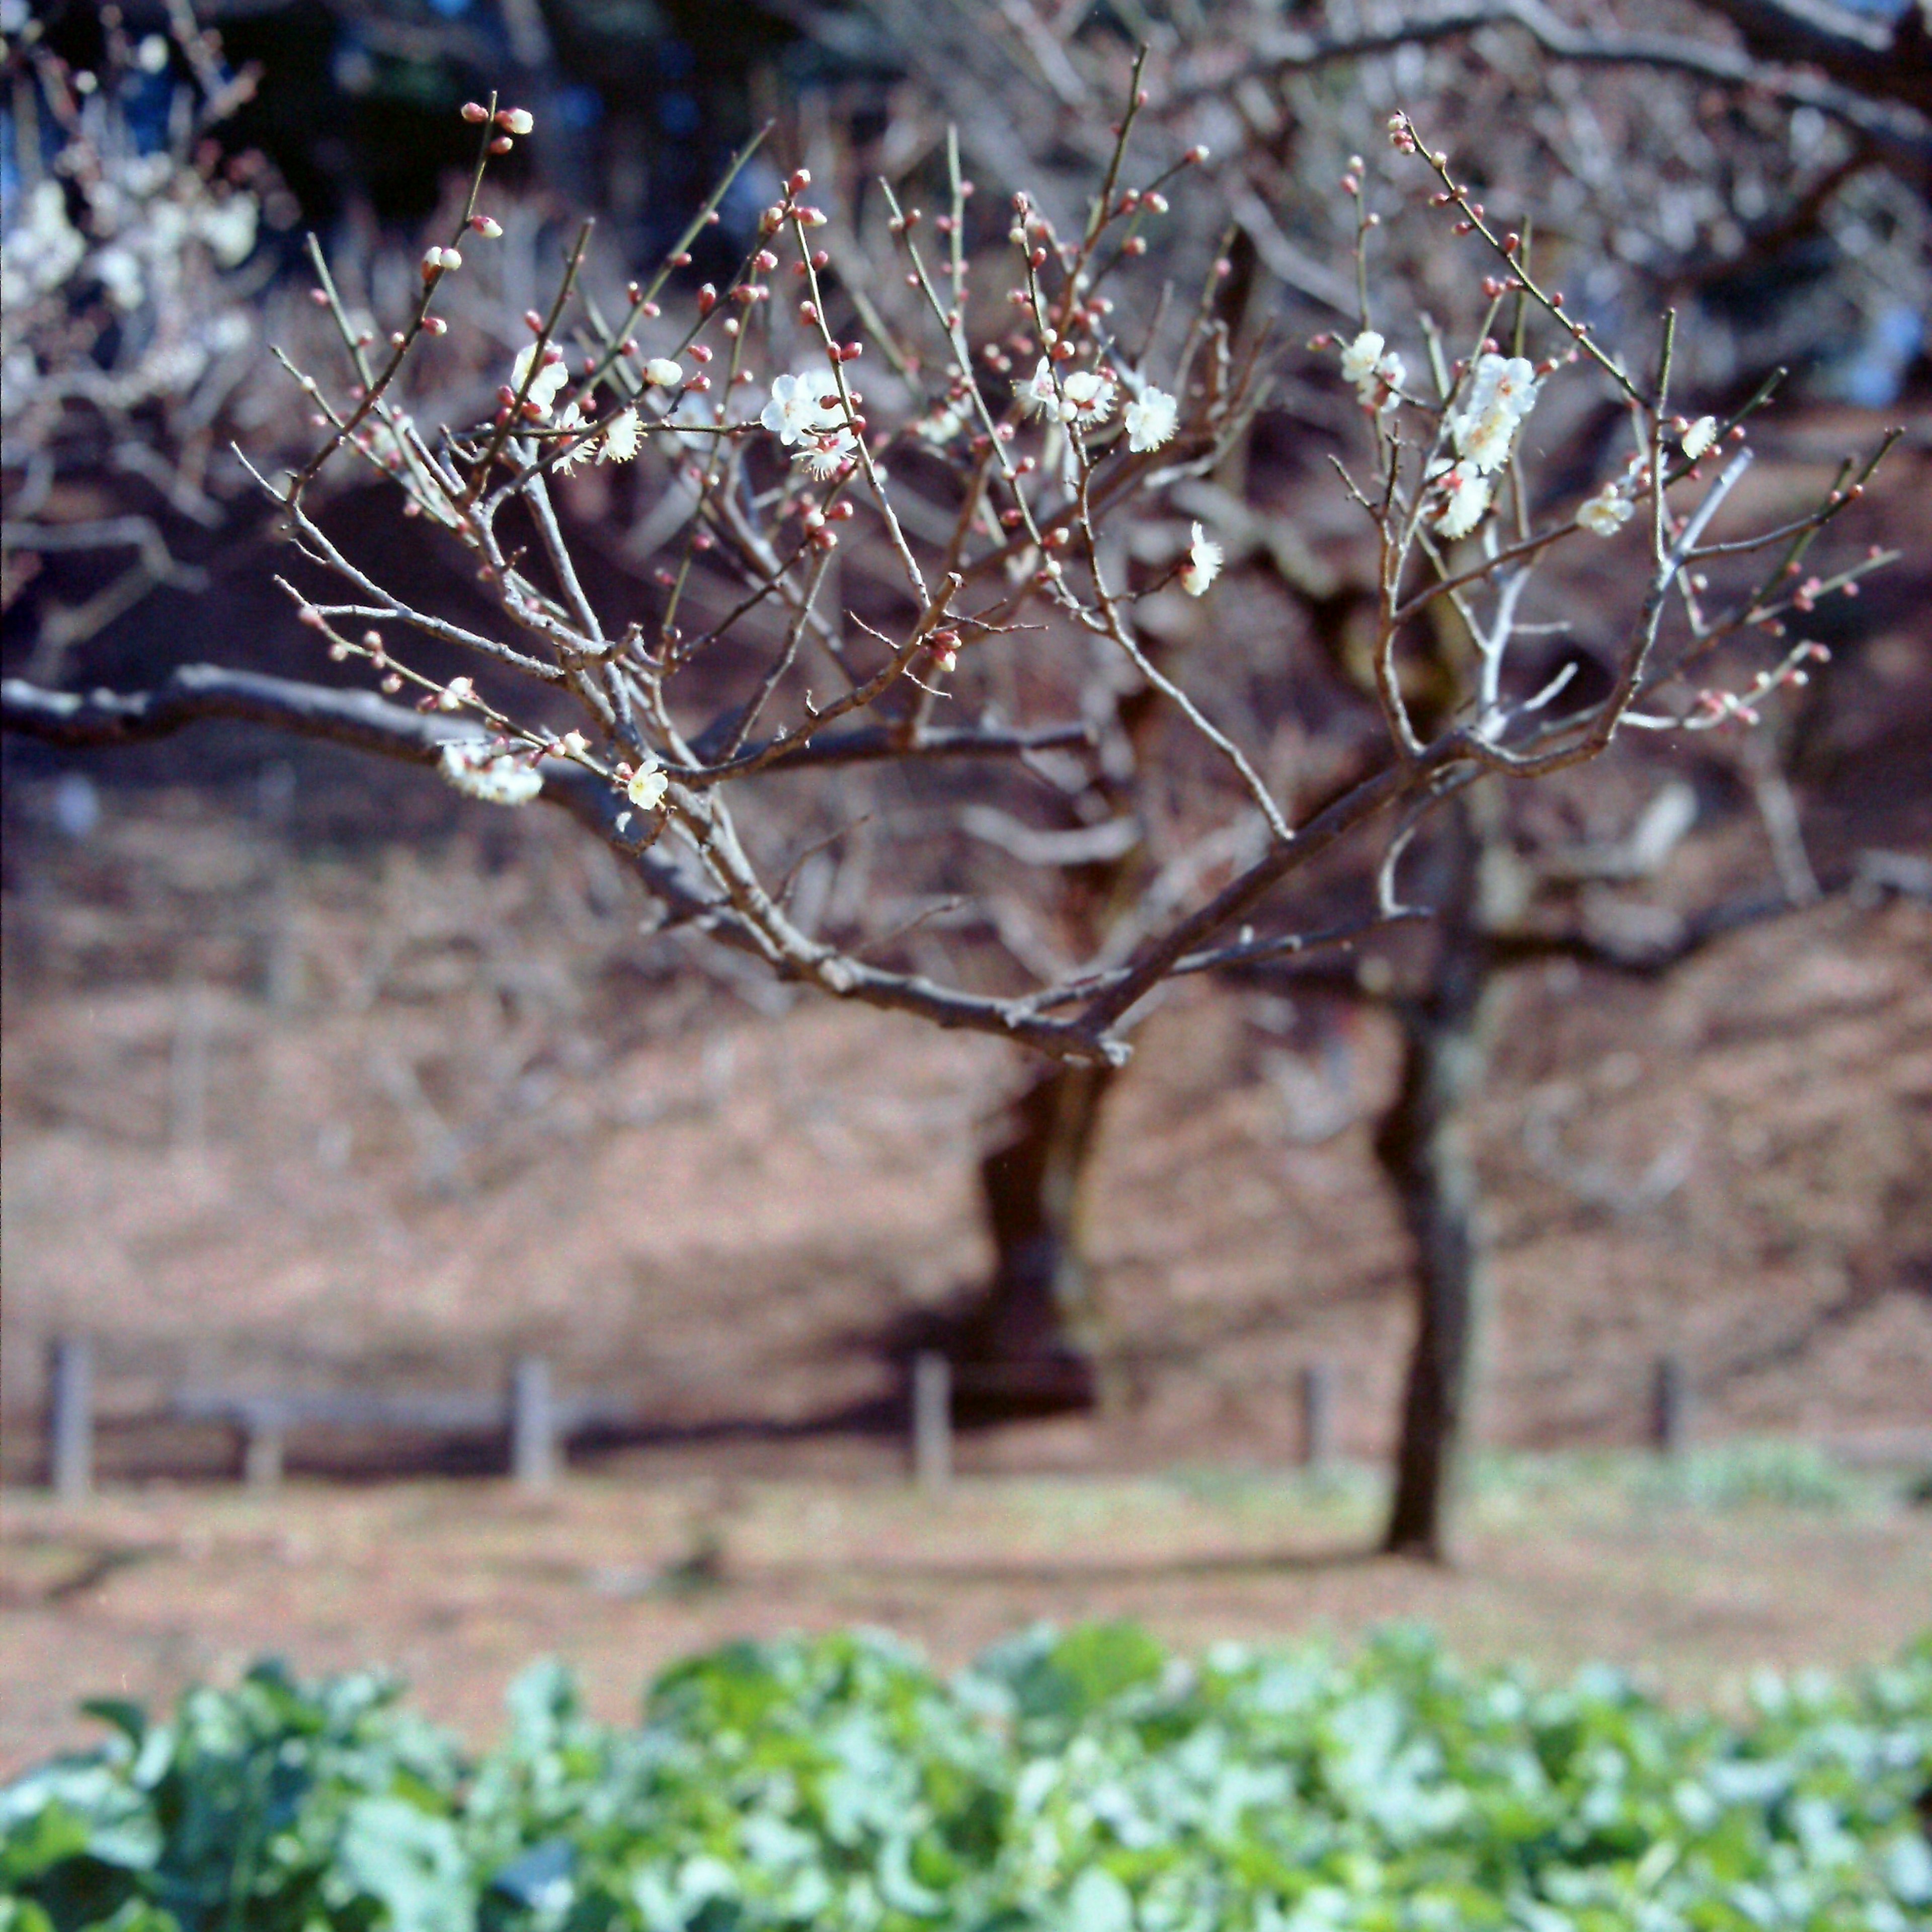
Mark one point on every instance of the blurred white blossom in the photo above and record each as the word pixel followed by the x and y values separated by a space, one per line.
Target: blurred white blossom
pixel 1203 565
pixel 1606 512
pixel 478 770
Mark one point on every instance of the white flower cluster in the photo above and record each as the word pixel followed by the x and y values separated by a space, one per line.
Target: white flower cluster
pixel 1502 391
pixel 621 437
pixel 805 410
pixel 1376 370
pixel 1085 398
pixel 478 770
pixel 144 236
pixel 142 212
pixel 42 250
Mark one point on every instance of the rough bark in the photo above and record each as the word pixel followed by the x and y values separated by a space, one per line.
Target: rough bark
pixel 1026 1343
pixel 1423 1144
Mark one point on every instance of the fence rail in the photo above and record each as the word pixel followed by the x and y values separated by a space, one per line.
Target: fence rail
pixel 535 1422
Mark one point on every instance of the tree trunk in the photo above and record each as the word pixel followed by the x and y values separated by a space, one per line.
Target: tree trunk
pixel 1424 1146
pixel 1025 1345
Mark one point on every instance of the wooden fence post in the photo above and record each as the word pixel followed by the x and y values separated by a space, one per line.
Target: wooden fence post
pixel 932 1421
pixel 1318 1413
pixel 264 1440
pixel 71 1419
pixel 1670 1407
pixel 533 1456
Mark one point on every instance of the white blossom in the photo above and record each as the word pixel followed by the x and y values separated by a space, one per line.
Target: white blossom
pixel 478 769
pixel 571 453
pixel 1465 496
pixel 228 227
pixel 119 272
pixel 621 438
pixel 1090 398
pixel 1203 565
pixel 648 785
pixel 545 385
pixel 1375 370
pixel 665 373
pixel 42 251
pixel 1502 391
pixel 824 454
pixel 1037 393
pixel 942 425
pixel 1150 419
pixel 1360 357
pixel 802 405
pixel 1700 436
pixel 1605 513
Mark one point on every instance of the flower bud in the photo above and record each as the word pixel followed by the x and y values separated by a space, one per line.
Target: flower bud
pixel 487 226
pixel 664 372
pixel 476 112
pixel 515 120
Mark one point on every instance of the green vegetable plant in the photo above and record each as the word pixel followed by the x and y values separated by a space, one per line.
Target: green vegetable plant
pixel 1087 1781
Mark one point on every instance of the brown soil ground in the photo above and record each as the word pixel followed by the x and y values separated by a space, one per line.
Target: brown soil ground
pixel 481 1119
pixel 457 1586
